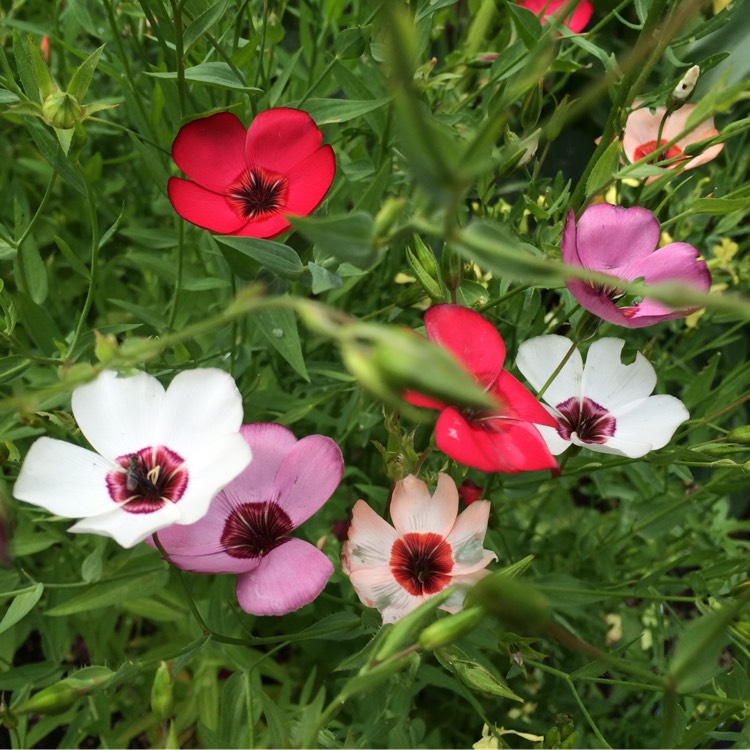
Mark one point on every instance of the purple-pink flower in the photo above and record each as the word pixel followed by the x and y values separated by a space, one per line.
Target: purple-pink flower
pixel 623 242
pixel 247 530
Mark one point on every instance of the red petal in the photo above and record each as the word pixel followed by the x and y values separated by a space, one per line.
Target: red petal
pixel 211 150
pixel 309 182
pixel 271 226
pixel 419 399
pixel 519 402
pixel 202 207
pixel 504 445
pixel 278 139
pixel 472 339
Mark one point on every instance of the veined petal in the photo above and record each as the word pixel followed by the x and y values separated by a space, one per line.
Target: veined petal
pixel 643 127
pixel 211 150
pixel 677 261
pixel 127 529
pixel 654 419
pixel 309 182
pixel 287 578
pixel 472 339
pixel 376 587
pixel 462 583
pixel 610 383
pixel 370 539
pixel 466 538
pixel 539 357
pixel 203 207
pixel 118 414
pixel 596 302
pixel 413 509
pixel 64 479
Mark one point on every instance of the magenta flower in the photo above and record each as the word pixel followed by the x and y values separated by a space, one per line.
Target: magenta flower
pixel 623 242
pixel 247 528
pixel 246 182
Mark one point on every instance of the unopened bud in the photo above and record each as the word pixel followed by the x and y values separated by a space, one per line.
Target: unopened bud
pixel 61 110
pixel 470 491
pixel 739 434
pixel 517 604
pixel 452 268
pixel 685 87
pixel 422 262
pixel 450 629
pixel 162 694
pixel 105 347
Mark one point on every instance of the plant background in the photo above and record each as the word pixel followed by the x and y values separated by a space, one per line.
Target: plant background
pixel 97 270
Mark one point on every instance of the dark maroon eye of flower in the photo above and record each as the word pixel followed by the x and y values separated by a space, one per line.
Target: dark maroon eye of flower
pixel 590 421
pixel 257 193
pixel 147 480
pixel 254 529
pixel 421 563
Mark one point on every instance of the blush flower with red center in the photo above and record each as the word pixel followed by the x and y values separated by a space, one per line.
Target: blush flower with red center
pixel 247 530
pixel 641 137
pixel 623 242
pixel 604 405
pixel 160 455
pixel 504 439
pixel 247 182
pixel 575 21
pixel 428 548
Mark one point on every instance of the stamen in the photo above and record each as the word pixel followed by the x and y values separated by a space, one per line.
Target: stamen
pixel 257 193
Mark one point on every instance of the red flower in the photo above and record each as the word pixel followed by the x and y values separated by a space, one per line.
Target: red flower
pixel 504 440
pixel 575 21
pixel 247 183
pixel 469 491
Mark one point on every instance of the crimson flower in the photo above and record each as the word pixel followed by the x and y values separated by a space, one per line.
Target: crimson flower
pixel 248 182
pixel 575 21
pixel 504 439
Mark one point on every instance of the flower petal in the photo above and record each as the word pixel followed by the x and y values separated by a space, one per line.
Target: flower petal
pixel 518 402
pixel 287 578
pixel 271 226
pixel 677 261
pixel 370 539
pixel 596 302
pixel 413 509
pixel 376 587
pixel 505 445
pixel 540 356
pixel 203 207
pixel 278 139
pixel 642 127
pixel 127 529
pixel 654 419
pixel 556 443
pixel 64 479
pixel 610 383
pixel 118 414
pixel 466 539
pixel 211 151
pixel 309 182
pixel 471 338
pixel 616 446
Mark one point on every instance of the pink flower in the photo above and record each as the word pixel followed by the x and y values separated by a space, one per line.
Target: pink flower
pixel 247 183
pixel 428 548
pixel 248 526
pixel 575 21
pixel 623 242
pixel 642 131
pixel 505 439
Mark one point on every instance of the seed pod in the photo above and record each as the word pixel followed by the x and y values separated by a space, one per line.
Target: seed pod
pixel 61 110
pixel 450 629
pixel 162 693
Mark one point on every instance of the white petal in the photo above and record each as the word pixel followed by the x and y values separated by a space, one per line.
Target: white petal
pixel 376 587
pixel 200 406
pixel 653 420
pixel 462 583
pixel 539 357
pixel 220 462
pixel 616 446
pixel 118 414
pixel 370 539
pixel 413 509
pixel 610 383
pixel 555 442
pixel 467 536
pixel 127 529
pixel 64 479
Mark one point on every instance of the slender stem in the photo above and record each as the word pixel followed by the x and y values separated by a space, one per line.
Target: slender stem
pixel 179 50
pixel 317 82
pixel 39 211
pixel 178 279
pixel 557 369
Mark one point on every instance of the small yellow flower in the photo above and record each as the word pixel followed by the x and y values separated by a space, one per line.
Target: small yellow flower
pixel 665 239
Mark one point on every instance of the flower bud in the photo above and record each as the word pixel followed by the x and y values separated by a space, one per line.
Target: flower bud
pixel 517 604
pixel 452 268
pixel 62 695
pixel 684 88
pixel 739 434
pixel 61 110
pixel 470 491
pixel 162 694
pixel 450 629
pixel 422 262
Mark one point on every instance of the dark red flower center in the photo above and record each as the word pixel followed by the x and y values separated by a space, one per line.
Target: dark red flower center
pixel 648 148
pixel 145 481
pixel 257 193
pixel 421 563
pixel 590 421
pixel 254 529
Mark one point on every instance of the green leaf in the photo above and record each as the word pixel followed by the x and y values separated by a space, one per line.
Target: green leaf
pixel 75 263
pixel 21 605
pixel 527 24
pixel 604 170
pixel 718 206
pixel 81 80
pixel 217 74
pixel 25 66
pixel 274 256
pixel 279 326
pixel 39 323
pixel 349 237
pixel 34 276
pixel 41 72
pixel 202 23
pixel 327 111
pixel 323 279
pixel 8 97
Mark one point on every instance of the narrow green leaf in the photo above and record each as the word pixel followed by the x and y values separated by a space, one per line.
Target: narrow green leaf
pixel 42 75
pixel 274 256
pixel 34 272
pixel 718 206
pixel 25 66
pixel 323 279
pixel 217 74
pixel 81 80
pixel 349 238
pixel 8 97
pixel 604 169
pixel 327 111
pixel 75 263
pixel 279 326
pixel 39 323
pixel 21 606
pixel 202 23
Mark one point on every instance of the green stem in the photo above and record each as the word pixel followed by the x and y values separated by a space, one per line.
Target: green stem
pixel 39 211
pixel 557 369
pixel 178 279
pixel 311 89
pixel 179 49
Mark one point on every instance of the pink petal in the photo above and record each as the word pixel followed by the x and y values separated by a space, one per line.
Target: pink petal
pixel 288 577
pixel 568 246
pixel 705 156
pixel 641 127
pixel 596 302
pixel 370 539
pixel 279 139
pixel 518 402
pixel 211 151
pixel 504 445
pixel 309 182
pixel 413 509
pixel 202 207
pixel 470 337
pixel 376 587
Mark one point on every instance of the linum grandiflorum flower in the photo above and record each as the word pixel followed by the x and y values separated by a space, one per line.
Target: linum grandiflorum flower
pixel 575 21
pixel 603 405
pixel 429 547
pixel 161 455
pixel 247 528
pixel 247 182
pixel 623 242
pixel 505 439
pixel 642 133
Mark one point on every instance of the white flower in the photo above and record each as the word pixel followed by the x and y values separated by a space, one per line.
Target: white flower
pixel 605 405
pixel 160 455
